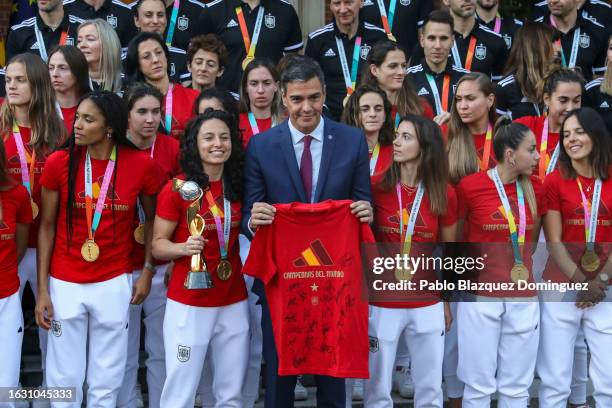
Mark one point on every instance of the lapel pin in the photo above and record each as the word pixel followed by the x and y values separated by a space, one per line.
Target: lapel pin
pixel 330 137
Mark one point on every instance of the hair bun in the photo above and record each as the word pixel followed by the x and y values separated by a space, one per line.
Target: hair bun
pixel 501 122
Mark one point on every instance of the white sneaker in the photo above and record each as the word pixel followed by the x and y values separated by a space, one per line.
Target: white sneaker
pixel 300 393
pixel 139 398
pixel 198 401
pixel 358 390
pixel 403 382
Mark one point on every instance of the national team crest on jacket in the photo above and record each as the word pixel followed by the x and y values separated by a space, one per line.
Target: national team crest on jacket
pixel 481 52
pixel 69 41
pixel 365 50
pixel 508 40
pixel 405 2
pixel 56 328
pixel 183 353
pixel 585 40
pixel 172 69
pixel 270 21
pixel 112 20
pixel 182 23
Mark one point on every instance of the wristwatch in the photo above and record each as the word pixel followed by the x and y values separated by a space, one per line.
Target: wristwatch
pixel 150 267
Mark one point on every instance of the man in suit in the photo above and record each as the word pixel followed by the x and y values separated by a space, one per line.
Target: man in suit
pixel 307 158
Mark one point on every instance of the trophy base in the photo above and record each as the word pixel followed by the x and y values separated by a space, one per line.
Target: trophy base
pixel 198 280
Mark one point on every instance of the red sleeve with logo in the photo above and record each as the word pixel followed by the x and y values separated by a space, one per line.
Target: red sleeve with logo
pixel 182 108
pixel 14 209
pixel 172 207
pixel 314 288
pixel 536 124
pixel 166 158
pixel 563 196
pixel 485 222
pixel 135 174
pixel 14 169
pixel 385 158
pixel 68 115
pixel 247 131
pixel 427 227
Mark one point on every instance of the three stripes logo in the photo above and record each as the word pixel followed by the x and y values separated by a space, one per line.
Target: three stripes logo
pixel 314 255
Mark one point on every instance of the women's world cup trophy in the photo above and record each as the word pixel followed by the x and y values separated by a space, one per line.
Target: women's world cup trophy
pixel 198 277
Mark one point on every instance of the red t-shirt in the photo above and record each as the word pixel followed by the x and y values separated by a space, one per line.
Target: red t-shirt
pixel 172 207
pixel 313 280
pixel 426 229
pixel 427 110
pixel 479 144
pixel 135 174
pixel 182 108
pixel 563 195
pixel 14 169
pixel 536 124
pixel 14 209
pixel 68 115
pixel 485 219
pixel 247 131
pixel 385 158
pixel 166 157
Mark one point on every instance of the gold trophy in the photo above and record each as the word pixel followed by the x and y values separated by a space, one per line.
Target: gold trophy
pixel 198 277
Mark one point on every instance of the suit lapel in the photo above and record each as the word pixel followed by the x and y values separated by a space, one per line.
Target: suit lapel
pixel 293 169
pixel 329 142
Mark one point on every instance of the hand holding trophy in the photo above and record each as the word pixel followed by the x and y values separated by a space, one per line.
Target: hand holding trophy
pixel 198 277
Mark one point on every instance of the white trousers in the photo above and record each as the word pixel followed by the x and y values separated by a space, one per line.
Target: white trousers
pixel 88 338
pixel 454 387
pixel 561 322
pixel 28 273
pixel 498 346
pixel 11 338
pixel 422 331
pixel 190 333
pixel 153 308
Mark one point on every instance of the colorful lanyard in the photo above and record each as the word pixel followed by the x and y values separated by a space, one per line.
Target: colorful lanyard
pixel 253 123
pixel 498 23
pixel 350 78
pixel 42 48
pixel 441 105
pixel 517 239
pixel 468 58
pixel 223 231
pixel 414 212
pixel 141 214
pixel 590 213
pixel 545 168
pixel 168 114
pixel 374 158
pixel 92 225
pixel 486 153
pixel 27 175
pixel 387 19
pixel 396 121
pixel 250 44
pixel 574 52
pixel 173 17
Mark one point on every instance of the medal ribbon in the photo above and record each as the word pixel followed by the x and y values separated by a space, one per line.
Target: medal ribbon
pixel 387 22
pixel 173 17
pixel 486 154
pixel 27 175
pixel 414 212
pixel 250 45
pixel 223 230
pixel 574 51
pixel 518 239
pixel 590 213
pixel 350 78
pixel 168 113
pixel 141 214
pixel 42 48
pixel 374 158
pixel 468 58
pixel 441 104
pixel 92 225
pixel 253 123
pixel 545 167
pixel 498 22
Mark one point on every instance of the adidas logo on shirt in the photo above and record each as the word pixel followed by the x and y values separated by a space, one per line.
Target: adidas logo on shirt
pixel 367 3
pixel 232 23
pixel 330 53
pixel 604 105
pixel 423 91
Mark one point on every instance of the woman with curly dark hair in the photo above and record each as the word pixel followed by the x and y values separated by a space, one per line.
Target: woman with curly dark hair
pixel 89 195
pixel 210 316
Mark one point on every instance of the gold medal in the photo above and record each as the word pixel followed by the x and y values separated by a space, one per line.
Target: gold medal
pixel 590 261
pixel 519 273
pixel 246 62
pixel 34 209
pixel 404 274
pixel 90 251
pixel 224 269
pixel 139 234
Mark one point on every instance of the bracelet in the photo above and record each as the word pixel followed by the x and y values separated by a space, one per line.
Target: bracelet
pixel 150 267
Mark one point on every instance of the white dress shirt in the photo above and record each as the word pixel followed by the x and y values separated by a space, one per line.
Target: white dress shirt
pixel 316 150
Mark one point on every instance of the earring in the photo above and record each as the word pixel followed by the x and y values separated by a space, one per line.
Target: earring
pixel 109 135
pixel 513 163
